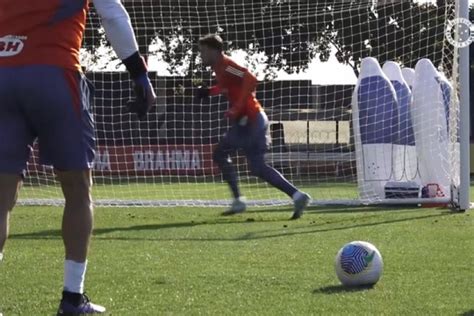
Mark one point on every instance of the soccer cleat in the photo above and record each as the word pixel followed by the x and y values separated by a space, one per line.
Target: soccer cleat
pixel 301 201
pixel 238 206
pixel 73 304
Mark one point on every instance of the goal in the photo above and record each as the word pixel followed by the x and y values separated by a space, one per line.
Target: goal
pixel 368 103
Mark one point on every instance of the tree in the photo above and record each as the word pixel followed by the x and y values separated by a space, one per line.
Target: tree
pixel 403 31
pixel 288 39
pixel 290 33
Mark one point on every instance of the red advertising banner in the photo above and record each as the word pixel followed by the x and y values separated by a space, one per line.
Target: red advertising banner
pixel 155 159
pixel 149 160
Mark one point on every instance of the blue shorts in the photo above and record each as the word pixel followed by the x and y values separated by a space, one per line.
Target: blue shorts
pixel 253 138
pixel 50 104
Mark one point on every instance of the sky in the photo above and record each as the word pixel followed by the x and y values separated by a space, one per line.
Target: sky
pixel 434 1
pixel 330 72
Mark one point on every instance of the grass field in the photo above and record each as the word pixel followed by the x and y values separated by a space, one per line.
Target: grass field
pixel 191 261
pixel 195 191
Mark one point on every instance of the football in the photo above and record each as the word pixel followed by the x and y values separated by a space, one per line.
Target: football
pixel 358 263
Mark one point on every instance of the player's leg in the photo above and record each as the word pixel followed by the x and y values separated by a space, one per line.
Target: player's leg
pixel 221 156
pixel 9 187
pixel 255 152
pixel 76 231
pixel 59 110
pixel 16 137
pixel 77 218
pixel 259 168
pixel 77 227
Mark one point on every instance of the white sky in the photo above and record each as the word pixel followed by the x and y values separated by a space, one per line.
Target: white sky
pixel 434 1
pixel 330 72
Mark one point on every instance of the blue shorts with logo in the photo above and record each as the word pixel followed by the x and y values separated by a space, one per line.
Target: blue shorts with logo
pixel 50 104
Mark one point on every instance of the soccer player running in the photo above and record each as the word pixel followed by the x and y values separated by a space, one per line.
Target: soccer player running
pixel 249 130
pixel 45 96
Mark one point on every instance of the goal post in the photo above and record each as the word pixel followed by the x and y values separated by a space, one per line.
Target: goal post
pixel 348 86
pixel 463 203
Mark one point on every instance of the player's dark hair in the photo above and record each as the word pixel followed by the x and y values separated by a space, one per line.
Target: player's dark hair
pixel 213 41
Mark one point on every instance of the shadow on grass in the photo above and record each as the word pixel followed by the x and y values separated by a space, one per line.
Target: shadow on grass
pixel 468 313
pixel 288 229
pixel 334 209
pixel 335 289
pixel 279 233
pixel 56 233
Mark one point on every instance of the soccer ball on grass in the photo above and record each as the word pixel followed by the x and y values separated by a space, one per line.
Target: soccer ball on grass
pixel 358 263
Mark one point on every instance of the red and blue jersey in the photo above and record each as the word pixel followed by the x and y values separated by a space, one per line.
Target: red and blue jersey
pixel 42 32
pixel 238 85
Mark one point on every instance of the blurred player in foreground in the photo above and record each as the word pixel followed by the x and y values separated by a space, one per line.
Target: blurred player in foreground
pixel 45 96
pixel 249 130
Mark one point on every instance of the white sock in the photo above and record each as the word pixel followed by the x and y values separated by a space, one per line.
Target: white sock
pixel 74 276
pixel 297 195
pixel 1 257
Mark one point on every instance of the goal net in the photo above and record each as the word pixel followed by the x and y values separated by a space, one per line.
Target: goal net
pixel 362 97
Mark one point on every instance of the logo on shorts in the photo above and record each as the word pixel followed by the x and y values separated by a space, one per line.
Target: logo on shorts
pixel 11 45
pixel 459 32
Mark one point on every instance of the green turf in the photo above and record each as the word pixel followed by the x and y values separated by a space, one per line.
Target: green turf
pixel 193 191
pixel 190 261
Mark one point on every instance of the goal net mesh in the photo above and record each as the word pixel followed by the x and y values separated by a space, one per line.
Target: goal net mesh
pixel 342 129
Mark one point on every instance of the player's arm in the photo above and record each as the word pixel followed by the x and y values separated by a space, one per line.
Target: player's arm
pixel 249 85
pixel 119 31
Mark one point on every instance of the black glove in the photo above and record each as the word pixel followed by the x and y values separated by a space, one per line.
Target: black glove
pixel 144 97
pixel 144 94
pixel 202 93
